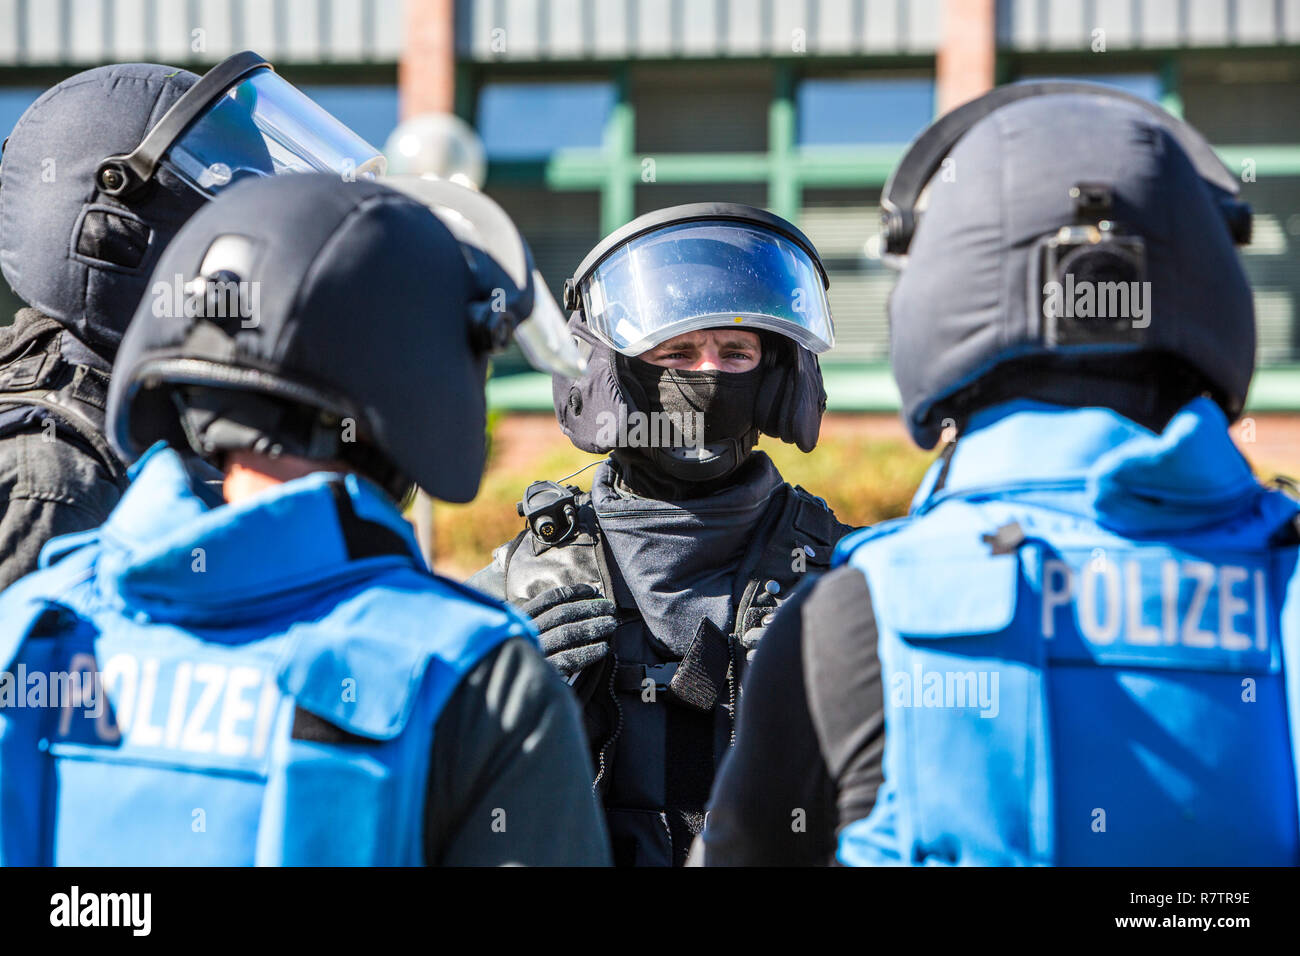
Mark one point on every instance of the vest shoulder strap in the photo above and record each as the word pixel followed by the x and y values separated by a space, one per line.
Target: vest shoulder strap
pixel 75 395
pixel 382 642
pixel 815 519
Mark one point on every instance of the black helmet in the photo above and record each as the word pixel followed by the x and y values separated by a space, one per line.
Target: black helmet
pixel 78 255
pixel 101 171
pixel 682 269
pixel 1077 248
pixel 312 316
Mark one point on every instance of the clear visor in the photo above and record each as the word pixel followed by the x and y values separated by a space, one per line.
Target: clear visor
pixel 544 336
pixel 264 126
pixel 706 274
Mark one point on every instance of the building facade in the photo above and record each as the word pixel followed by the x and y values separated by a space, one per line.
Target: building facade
pixel 594 111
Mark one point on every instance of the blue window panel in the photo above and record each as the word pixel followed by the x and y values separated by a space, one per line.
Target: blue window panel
pixel 529 120
pixel 850 111
pixel 369 109
pixel 14 101
pixel 1145 85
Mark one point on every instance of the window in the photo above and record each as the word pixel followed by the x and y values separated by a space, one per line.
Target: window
pixel 533 120
pixel 846 111
pixel 14 101
pixel 1145 85
pixel 370 110
pixel 561 228
pixel 705 109
pixel 843 224
pixel 653 196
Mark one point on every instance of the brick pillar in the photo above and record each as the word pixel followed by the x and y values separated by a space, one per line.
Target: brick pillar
pixel 426 75
pixel 967 51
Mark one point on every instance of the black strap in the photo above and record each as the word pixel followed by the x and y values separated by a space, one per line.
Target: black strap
pixel 364 539
pixel 309 726
pixel 68 408
pixel 688 775
pixel 631 678
pixel 946 457
pixel 700 679
pixel 1287 536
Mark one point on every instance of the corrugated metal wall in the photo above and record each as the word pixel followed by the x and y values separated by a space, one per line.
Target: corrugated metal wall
pixel 37 32
pixel 490 30
pixel 79 32
pixel 632 29
pixel 1133 24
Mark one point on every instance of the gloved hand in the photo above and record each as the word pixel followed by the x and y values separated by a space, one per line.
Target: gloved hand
pixel 575 625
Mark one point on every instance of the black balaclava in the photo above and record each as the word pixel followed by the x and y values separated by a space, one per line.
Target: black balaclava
pixel 723 402
pixel 74 253
pixel 788 400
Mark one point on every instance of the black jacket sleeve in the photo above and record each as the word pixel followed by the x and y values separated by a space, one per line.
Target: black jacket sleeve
pixel 810 734
pixel 510 779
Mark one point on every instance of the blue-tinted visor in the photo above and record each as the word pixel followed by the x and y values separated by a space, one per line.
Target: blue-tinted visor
pixel 263 126
pixel 706 274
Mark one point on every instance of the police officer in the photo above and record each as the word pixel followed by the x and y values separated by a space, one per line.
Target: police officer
pixel 267 673
pixel 1073 650
pixel 97 176
pixel 702 324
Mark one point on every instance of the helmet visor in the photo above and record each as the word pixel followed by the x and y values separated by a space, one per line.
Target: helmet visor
pixel 263 126
pixel 544 336
pixel 706 274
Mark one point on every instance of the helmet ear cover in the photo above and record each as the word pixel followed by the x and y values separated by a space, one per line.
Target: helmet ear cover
pixel 792 397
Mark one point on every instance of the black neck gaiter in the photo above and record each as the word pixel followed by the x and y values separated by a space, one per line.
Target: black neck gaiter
pixel 711 430
pixel 680 559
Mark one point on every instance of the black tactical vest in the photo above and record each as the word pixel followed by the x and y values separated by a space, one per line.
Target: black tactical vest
pixel 38 383
pixel 659 726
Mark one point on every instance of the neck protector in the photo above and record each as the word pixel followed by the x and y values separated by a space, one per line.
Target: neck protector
pixel 680 559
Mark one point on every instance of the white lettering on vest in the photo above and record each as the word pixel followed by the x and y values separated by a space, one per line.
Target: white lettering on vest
pixel 1200 605
pixel 156 705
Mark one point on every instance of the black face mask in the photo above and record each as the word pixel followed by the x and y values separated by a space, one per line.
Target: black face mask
pixel 707 415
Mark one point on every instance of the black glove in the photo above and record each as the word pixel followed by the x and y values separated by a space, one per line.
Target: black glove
pixel 575 625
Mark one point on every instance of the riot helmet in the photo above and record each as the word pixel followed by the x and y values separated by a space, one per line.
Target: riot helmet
pixel 702 266
pixel 333 320
pixel 502 262
pixel 103 169
pixel 1076 246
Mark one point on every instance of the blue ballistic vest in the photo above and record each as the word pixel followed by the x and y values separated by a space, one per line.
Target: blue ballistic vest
pixel 1086 635
pixel 256 683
